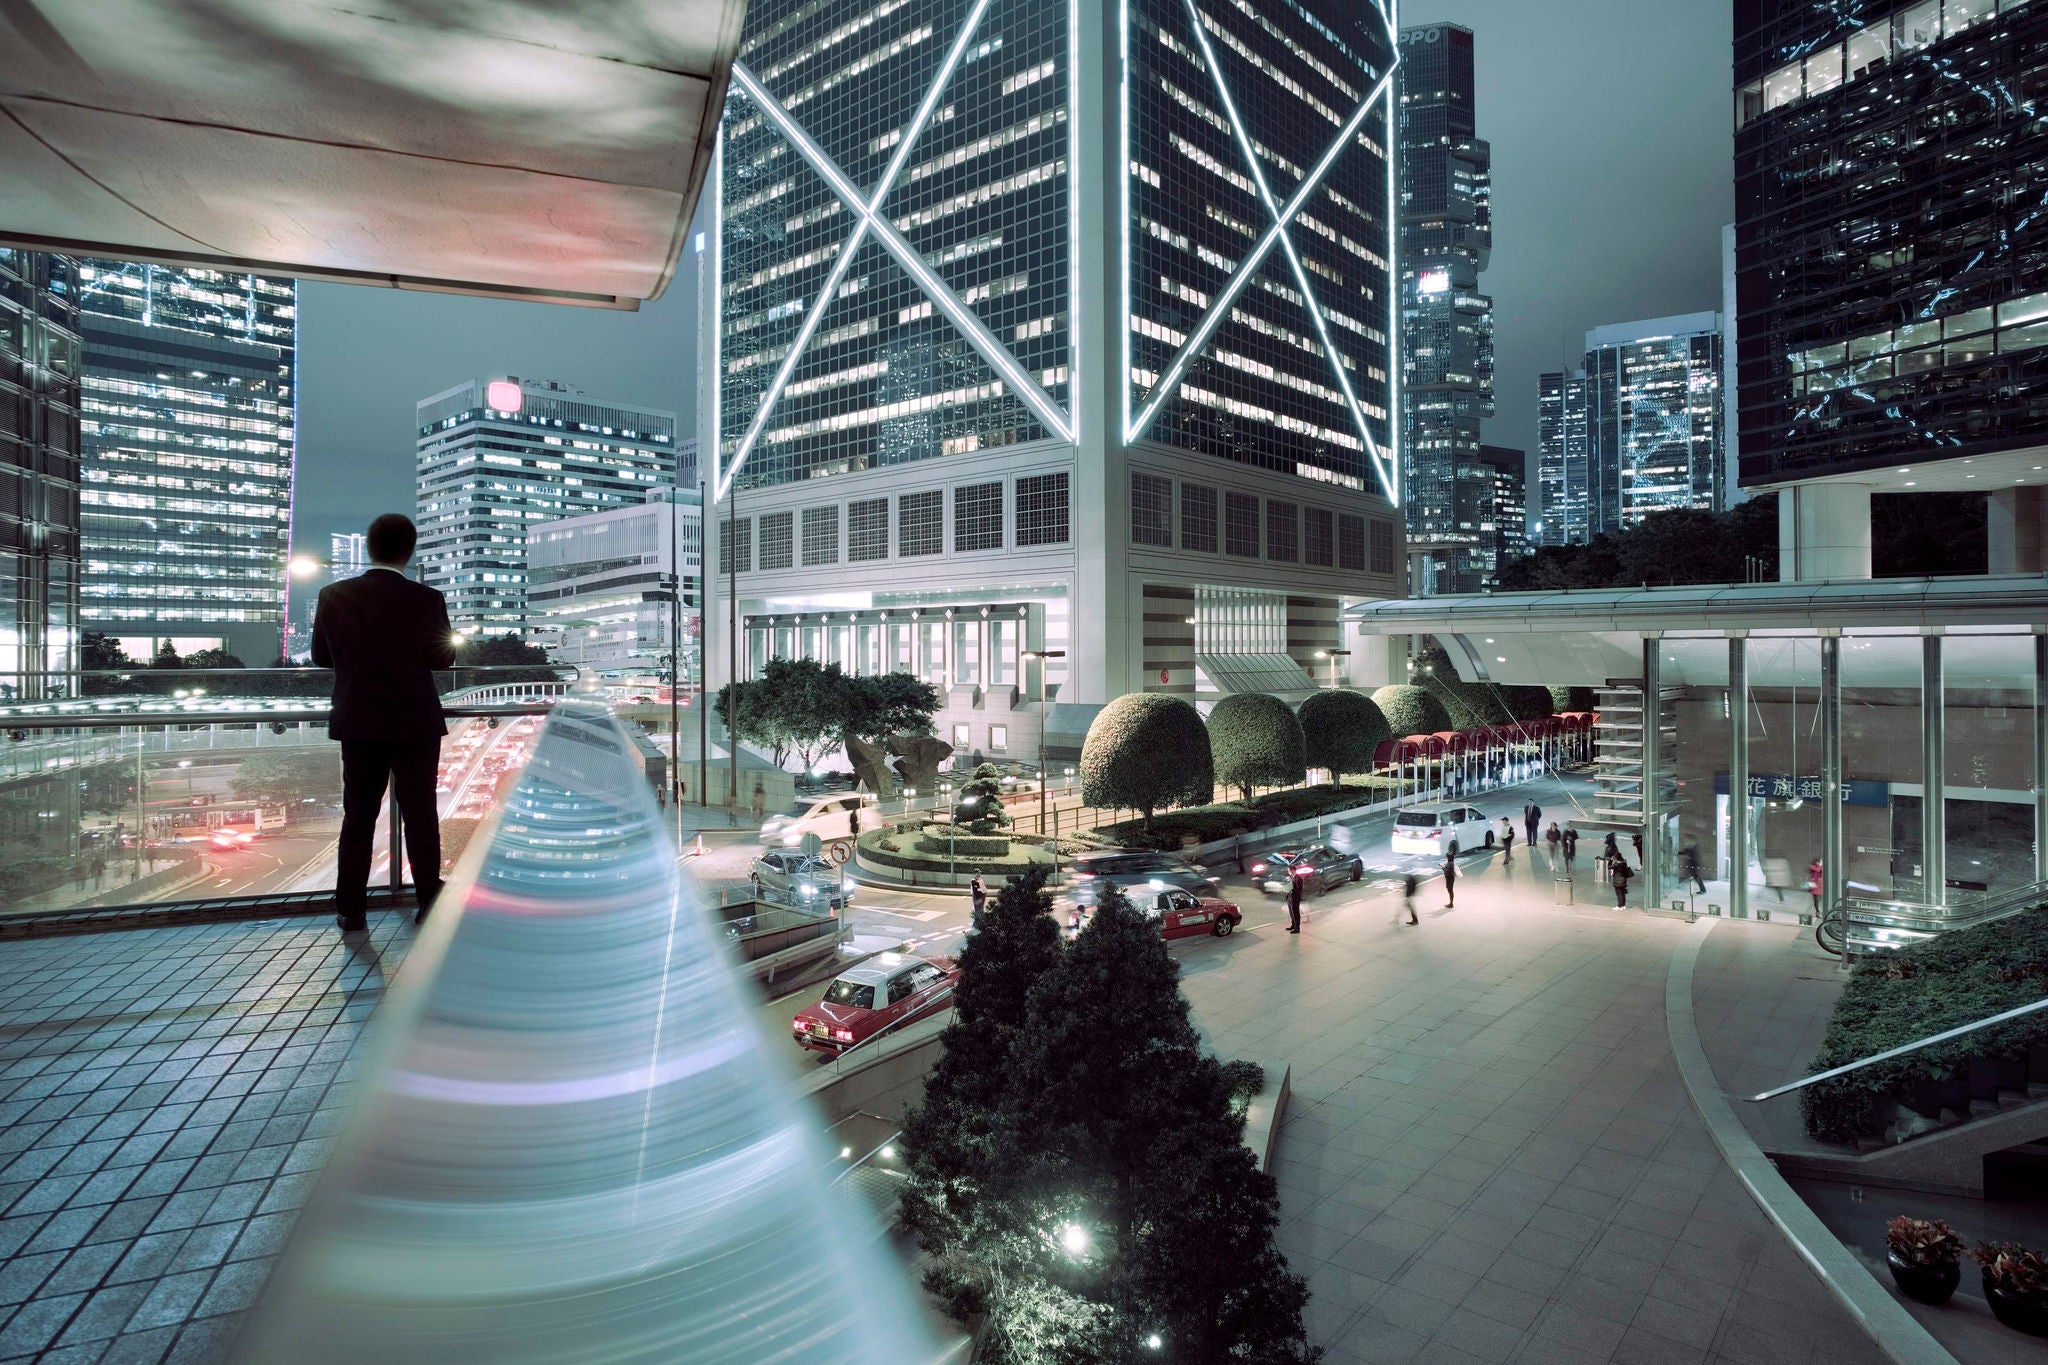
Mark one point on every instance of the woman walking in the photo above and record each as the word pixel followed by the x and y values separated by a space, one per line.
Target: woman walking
pixel 1553 837
pixel 1408 884
pixel 1507 842
pixel 1450 884
pixel 1816 882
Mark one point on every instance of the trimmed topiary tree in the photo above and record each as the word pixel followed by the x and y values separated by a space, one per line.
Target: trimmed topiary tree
pixel 1411 711
pixel 1469 705
pixel 1147 751
pixel 1563 699
pixel 1256 741
pixel 1341 730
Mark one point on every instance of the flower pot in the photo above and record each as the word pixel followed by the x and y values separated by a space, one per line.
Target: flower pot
pixel 2029 1315
pixel 1929 1284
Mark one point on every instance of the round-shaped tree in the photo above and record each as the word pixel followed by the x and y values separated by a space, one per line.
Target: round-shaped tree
pixel 1147 751
pixel 1563 698
pixel 1256 742
pixel 1341 730
pixel 1410 710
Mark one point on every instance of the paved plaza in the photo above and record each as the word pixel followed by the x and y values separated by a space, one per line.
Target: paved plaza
pixel 1489 1155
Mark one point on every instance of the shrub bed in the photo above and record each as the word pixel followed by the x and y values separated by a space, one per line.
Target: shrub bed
pixel 1956 978
pixel 876 850
pixel 934 841
pixel 1226 819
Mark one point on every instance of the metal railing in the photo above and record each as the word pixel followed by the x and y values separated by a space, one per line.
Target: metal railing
pixel 1904 1049
pixel 1874 925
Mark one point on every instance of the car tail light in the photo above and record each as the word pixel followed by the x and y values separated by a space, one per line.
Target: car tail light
pixel 799 1025
pixel 1258 867
pixel 843 1035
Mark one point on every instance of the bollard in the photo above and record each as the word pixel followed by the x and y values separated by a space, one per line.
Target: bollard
pixel 1562 891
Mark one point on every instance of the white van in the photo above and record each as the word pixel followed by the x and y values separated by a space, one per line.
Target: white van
pixel 830 816
pixel 1430 829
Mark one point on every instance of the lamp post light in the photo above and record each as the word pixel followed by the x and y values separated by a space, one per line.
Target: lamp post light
pixel 953 828
pixel 1044 778
pixel 1333 655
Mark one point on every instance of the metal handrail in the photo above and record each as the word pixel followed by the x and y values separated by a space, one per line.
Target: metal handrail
pixel 258 711
pixel 1903 1049
pixel 1982 905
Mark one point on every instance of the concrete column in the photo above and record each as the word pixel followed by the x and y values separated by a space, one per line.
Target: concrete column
pixel 1823 531
pixel 1933 776
pixel 1376 661
pixel 2041 758
pixel 1832 855
pixel 1738 777
pixel 2016 530
pixel 1653 768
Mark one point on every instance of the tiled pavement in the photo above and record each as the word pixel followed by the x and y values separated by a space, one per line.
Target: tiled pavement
pixel 1489 1156
pixel 165 1098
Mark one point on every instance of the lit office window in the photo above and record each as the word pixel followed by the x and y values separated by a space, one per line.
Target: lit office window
pixel 821 536
pixel 778 540
pixel 1042 509
pixel 978 517
pixel 736 539
pixel 921 523
pixel 867 530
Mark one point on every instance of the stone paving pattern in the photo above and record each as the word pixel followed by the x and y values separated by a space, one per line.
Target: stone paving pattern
pixel 166 1097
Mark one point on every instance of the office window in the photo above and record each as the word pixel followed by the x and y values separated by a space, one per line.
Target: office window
pixel 1002 653
pixel 1042 511
pixel 821 535
pixel 778 540
pixel 921 523
pixel 736 538
pixel 978 516
pixel 1151 510
pixel 1351 543
pixel 1319 537
pixel 933 634
pixel 1241 525
pixel 814 643
pixel 1198 518
pixel 867 530
pixel 967 652
pixel 960 734
pixel 1382 546
pixel 998 738
pixel 1283 531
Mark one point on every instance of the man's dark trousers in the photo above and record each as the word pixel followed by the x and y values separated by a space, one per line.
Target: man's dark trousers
pixel 410 768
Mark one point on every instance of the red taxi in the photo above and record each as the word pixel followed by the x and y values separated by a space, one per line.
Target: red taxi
pixel 862 1001
pixel 1183 914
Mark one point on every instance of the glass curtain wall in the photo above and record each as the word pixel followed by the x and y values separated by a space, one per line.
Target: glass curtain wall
pixel 1697 816
pixel 1989 787
pixel 1881 776
pixel 1784 801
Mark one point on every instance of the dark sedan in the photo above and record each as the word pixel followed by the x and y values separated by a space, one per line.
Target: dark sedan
pixel 1319 867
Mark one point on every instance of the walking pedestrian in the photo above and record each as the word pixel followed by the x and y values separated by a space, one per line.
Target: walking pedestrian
pixel 1619 874
pixel 1570 844
pixel 979 892
pixel 1532 820
pixel 1552 837
pixel 1294 903
pixel 1635 838
pixel 1450 883
pixel 1507 841
pixel 1816 882
pixel 99 871
pixel 383 635
pixel 1778 875
pixel 1408 884
pixel 1689 863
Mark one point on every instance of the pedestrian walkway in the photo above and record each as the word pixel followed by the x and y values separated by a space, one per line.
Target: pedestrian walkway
pixel 1489 1155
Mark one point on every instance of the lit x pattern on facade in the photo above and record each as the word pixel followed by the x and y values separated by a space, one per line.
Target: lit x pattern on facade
pixel 833 353
pixel 1250 129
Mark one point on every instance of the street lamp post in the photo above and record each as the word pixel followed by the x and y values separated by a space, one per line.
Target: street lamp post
pixel 1044 779
pixel 953 828
pixel 1333 655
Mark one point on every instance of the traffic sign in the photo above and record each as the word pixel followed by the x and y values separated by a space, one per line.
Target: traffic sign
pixel 809 846
pixel 842 851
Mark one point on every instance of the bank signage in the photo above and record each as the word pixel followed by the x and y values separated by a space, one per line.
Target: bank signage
pixel 1856 791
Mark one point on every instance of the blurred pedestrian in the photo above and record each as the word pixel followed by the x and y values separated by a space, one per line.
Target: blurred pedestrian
pixel 1507 841
pixel 1450 883
pixel 1635 839
pixel 1552 837
pixel 1408 884
pixel 1778 875
pixel 1570 844
pixel 1294 901
pixel 1618 874
pixel 1689 863
pixel 979 891
pixel 99 871
pixel 1816 882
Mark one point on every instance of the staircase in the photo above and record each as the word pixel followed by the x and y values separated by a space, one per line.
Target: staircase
pixel 1618 737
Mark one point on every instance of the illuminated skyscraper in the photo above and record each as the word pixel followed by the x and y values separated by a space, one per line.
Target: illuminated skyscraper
pixel 1504 529
pixel 1050 359
pixel 1638 430
pixel 1446 323
pixel 190 440
pixel 497 456
pixel 39 365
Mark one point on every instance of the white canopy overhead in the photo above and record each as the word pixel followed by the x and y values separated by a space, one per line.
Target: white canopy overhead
pixel 541 149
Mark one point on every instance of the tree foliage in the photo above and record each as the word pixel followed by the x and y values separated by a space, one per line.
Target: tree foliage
pixel 1410 710
pixel 804 707
pixel 1563 699
pixel 1469 705
pixel 1146 750
pixel 1085 1099
pixel 285 779
pixel 985 788
pixel 1341 730
pixel 1255 740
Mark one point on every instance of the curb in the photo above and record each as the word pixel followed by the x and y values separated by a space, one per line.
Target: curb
pixel 1893 1330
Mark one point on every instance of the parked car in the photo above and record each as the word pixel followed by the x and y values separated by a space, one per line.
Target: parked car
pixel 862 1001
pixel 801 879
pixel 829 816
pixel 1128 868
pixel 1183 914
pixel 1428 829
pixel 1319 867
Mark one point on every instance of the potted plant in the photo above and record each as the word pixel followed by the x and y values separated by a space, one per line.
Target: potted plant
pixel 2016 1286
pixel 1925 1258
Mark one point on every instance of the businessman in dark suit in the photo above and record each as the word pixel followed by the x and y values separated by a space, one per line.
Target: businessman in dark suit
pixel 383 634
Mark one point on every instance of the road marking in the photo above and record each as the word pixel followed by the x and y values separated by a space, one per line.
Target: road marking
pixel 906 914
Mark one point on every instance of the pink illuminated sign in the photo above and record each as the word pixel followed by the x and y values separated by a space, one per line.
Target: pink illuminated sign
pixel 503 395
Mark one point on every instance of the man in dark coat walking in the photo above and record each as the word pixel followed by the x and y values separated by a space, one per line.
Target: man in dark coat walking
pixel 383 635
pixel 1294 903
pixel 1532 820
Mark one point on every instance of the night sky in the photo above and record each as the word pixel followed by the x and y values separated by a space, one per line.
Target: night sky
pixel 1609 121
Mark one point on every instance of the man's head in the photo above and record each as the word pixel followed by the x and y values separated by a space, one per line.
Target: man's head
pixel 391 539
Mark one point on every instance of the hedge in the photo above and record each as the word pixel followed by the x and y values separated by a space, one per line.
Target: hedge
pixel 1148 751
pixel 1226 819
pixel 1341 730
pixel 1410 710
pixel 1256 741
pixel 1953 979
pixel 934 840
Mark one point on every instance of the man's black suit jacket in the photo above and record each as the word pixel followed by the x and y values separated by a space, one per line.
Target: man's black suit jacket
pixel 383 635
